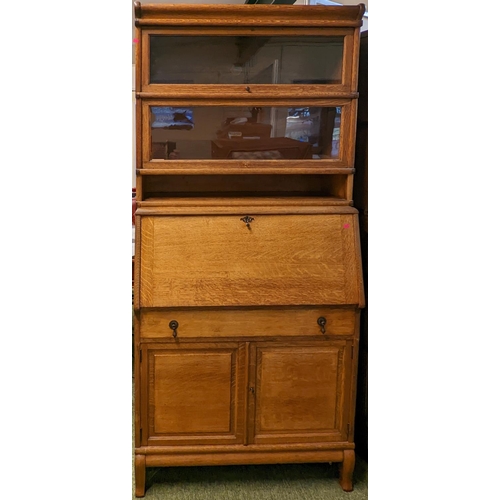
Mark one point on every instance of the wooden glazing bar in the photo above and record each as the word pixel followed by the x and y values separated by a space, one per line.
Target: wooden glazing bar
pixel 348 140
pixel 169 100
pixel 138 134
pixel 138 58
pixel 244 31
pixel 355 59
pixel 146 133
pixel 198 92
pixel 347 64
pixel 237 167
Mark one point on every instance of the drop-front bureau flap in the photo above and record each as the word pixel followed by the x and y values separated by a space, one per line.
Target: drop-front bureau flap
pixel 248 260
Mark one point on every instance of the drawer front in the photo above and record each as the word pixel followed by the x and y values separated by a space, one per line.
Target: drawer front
pixel 248 323
pixel 268 260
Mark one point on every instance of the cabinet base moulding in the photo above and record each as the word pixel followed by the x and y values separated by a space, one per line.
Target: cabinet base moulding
pixel 227 458
pixel 345 457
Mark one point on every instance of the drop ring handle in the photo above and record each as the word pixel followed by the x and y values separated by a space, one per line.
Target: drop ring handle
pixel 322 323
pixel 173 325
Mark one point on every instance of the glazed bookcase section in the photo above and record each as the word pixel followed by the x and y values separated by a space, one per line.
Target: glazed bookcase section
pixel 305 134
pixel 302 51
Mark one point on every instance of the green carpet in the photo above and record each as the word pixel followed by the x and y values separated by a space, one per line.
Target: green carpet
pixel 262 482
pixel 246 482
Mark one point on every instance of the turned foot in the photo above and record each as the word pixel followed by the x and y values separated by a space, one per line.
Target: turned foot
pixel 140 475
pixel 346 470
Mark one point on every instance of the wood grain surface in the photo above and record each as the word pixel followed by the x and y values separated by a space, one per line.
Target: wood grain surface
pixel 195 393
pixel 279 260
pixel 299 392
pixel 249 377
pixel 217 323
pixel 248 15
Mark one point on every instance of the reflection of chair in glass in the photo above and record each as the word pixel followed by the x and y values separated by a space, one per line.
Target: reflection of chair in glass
pixel 164 150
pixel 273 148
pixel 159 150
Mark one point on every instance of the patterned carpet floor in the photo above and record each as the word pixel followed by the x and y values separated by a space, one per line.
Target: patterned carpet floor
pixel 260 482
pixel 248 482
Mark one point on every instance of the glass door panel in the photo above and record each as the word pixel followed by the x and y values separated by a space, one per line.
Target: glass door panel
pixel 245 132
pixel 246 59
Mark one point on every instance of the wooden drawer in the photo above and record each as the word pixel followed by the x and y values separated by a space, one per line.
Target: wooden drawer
pixel 274 260
pixel 267 322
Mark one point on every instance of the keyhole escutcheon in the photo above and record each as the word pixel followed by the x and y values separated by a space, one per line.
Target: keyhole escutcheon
pixel 247 220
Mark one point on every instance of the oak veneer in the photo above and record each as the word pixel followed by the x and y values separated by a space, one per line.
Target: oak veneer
pixel 248 322
pixel 276 260
pixel 248 280
pixel 289 380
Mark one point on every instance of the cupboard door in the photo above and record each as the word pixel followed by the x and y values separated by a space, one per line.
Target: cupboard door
pixel 300 392
pixel 194 393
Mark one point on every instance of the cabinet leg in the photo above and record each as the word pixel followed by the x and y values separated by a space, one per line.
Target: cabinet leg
pixel 346 470
pixel 140 475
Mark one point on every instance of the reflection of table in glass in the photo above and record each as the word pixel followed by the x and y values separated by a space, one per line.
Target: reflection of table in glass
pixel 246 130
pixel 274 148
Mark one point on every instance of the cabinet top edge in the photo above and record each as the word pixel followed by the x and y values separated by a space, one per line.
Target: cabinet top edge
pixel 247 15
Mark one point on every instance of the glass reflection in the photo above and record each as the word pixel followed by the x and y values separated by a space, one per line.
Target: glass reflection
pixel 257 133
pixel 245 59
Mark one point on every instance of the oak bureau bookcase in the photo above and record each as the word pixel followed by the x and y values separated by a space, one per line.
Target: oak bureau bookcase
pixel 248 280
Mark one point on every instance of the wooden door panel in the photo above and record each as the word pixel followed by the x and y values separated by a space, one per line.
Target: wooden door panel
pixel 219 261
pixel 300 392
pixel 195 394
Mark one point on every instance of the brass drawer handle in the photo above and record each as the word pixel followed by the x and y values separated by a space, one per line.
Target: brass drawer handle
pixel 247 219
pixel 173 325
pixel 322 323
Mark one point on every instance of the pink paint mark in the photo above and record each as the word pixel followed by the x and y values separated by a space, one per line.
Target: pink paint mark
pixel 135 40
pixel 347 226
